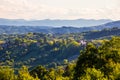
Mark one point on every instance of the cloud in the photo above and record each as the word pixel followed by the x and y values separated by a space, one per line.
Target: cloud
pixel 26 9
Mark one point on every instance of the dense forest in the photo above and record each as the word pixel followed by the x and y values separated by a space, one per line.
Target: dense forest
pixel 92 55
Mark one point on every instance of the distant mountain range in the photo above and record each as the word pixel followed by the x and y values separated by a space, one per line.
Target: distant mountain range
pixel 61 30
pixel 54 23
pixel 84 29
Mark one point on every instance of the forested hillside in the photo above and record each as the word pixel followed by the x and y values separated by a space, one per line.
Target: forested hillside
pixel 50 50
pixel 94 63
pixel 33 49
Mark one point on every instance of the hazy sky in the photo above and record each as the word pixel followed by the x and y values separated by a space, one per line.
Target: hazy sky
pixel 60 9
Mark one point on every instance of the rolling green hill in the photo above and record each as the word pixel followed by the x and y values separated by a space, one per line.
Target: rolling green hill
pixel 50 50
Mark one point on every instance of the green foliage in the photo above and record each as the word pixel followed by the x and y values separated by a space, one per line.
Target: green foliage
pixel 39 72
pixel 100 59
pixel 92 74
pixel 99 63
pixel 69 70
pixel 33 49
pixel 24 74
pixel 7 73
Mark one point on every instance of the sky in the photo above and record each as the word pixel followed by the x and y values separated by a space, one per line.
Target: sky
pixel 60 9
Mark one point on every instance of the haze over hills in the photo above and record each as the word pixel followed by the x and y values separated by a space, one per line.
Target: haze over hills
pixel 109 25
pixel 54 23
pixel 61 30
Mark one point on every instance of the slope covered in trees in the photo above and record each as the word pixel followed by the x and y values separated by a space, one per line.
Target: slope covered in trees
pixel 33 49
pixel 94 63
pixel 50 50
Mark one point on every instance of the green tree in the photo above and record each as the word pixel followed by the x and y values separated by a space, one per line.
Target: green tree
pixel 7 73
pixel 39 72
pixel 104 59
pixel 24 74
